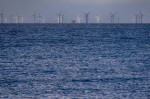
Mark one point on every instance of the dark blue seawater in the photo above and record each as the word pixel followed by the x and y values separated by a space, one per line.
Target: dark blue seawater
pixel 74 61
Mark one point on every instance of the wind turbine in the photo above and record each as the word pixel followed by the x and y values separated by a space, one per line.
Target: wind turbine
pixel 86 16
pixel 112 16
pixel 2 16
pixel 11 18
pixel 141 17
pixel 18 19
pixel 22 19
pixel 133 19
pixel 59 17
pixel 78 20
pixel 62 17
pixel 34 17
pixel 98 19
pixel 136 17
pixel 40 18
pixel 117 19
pixel 43 20
pixel 5 20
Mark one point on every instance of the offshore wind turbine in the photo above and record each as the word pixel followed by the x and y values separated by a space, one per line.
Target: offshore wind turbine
pixel 59 17
pixel 18 19
pixel 43 20
pixel 22 19
pixel 117 19
pixel 11 18
pixel 2 16
pixel 136 17
pixel 112 16
pixel 133 19
pixel 40 18
pixel 86 17
pixel 141 17
pixel 97 19
pixel 62 16
pixel 78 20
pixel 5 20
pixel 34 17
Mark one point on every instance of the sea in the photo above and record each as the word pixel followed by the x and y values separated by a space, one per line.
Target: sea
pixel 74 61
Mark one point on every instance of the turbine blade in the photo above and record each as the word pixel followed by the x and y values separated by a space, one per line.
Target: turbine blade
pixel 83 12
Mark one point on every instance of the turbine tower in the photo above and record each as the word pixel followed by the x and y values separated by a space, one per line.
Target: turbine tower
pixel 34 17
pixel 22 20
pixel 86 16
pixel 117 19
pixel 62 17
pixel 5 20
pixel 2 16
pixel 40 18
pixel 78 20
pixel 11 18
pixel 59 17
pixel 43 20
pixel 18 19
pixel 136 17
pixel 133 19
pixel 141 17
pixel 97 19
pixel 112 16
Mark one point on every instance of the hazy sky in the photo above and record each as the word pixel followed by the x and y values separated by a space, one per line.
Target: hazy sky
pixel 72 8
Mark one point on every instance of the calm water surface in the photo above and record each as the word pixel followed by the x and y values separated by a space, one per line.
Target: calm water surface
pixel 51 61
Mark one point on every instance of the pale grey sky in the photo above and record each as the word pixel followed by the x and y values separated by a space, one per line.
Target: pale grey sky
pixel 72 8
